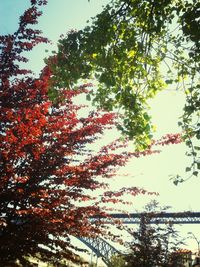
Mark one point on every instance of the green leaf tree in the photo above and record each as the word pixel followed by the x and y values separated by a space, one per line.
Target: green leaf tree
pixel 132 50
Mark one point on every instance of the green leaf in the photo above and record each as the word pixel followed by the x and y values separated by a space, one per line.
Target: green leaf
pixel 88 97
pixel 188 169
pixel 195 173
pixel 175 182
pixel 169 81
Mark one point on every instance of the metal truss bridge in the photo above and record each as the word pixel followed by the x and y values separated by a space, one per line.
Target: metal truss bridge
pixel 156 218
pixel 105 251
pixel 101 248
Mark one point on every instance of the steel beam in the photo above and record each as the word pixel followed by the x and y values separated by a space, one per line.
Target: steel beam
pixel 156 218
pixel 100 247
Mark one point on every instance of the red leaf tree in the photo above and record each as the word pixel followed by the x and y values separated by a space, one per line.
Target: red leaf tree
pixel 47 172
pixel 46 169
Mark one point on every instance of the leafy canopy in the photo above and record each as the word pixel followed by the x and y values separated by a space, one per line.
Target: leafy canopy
pixel 132 50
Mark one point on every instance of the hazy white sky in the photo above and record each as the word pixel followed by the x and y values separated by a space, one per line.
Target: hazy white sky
pixel 151 172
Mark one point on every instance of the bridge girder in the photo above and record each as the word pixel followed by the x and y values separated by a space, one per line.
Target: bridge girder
pixel 155 218
pixel 100 247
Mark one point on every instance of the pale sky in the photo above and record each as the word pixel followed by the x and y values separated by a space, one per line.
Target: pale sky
pixel 151 172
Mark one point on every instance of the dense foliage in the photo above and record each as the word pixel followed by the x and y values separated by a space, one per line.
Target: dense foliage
pixel 47 172
pixel 132 50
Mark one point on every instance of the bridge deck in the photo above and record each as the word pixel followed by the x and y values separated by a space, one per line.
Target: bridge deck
pixel 161 217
